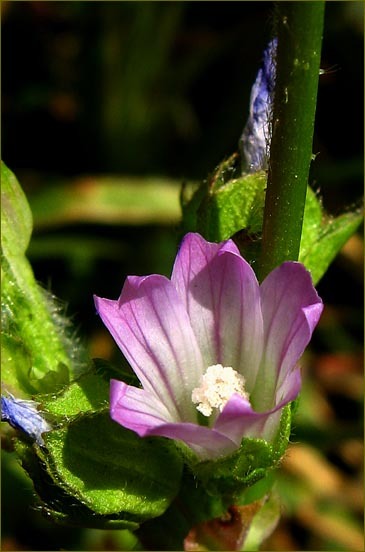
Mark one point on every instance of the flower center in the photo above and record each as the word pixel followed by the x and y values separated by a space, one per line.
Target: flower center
pixel 217 386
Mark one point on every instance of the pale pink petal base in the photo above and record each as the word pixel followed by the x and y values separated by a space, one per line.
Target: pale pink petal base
pixel 143 413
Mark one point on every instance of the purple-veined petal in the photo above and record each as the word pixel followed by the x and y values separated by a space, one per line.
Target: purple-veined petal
pixel 142 412
pixel 211 313
pixel 289 388
pixel 291 309
pixel 151 326
pixel 222 297
pixel 238 419
pixel 136 408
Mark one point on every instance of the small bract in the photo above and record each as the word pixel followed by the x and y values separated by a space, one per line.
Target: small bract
pixel 216 353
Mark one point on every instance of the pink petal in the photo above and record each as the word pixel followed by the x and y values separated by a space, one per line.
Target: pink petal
pixel 150 325
pixel 221 294
pixel 136 408
pixel 238 419
pixel 140 411
pixel 291 309
pixel 290 387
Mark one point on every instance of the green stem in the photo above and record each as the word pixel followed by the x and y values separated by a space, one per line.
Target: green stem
pixel 300 26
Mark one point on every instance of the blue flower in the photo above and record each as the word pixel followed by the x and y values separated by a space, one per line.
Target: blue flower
pixel 23 415
pixel 256 136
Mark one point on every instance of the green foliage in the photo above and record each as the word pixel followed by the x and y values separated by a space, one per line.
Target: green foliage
pixel 94 472
pixel 107 200
pixel 209 488
pixel 112 470
pixel 139 140
pixel 323 235
pixel 16 216
pixel 57 504
pixel 191 506
pixel 87 393
pixel 37 353
pixel 228 205
pixel 234 474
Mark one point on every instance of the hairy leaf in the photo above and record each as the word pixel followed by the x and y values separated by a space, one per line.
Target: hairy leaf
pixel 229 206
pixel 111 470
pixel 38 354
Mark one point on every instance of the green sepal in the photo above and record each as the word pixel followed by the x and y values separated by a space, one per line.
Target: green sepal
pixel 33 327
pixel 253 461
pixel 258 490
pixel 226 203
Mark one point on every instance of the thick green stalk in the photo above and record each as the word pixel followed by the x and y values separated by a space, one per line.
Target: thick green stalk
pixel 299 32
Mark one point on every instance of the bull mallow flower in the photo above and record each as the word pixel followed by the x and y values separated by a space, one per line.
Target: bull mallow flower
pixel 215 352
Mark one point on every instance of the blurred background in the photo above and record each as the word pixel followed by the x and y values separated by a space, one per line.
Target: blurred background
pixel 107 108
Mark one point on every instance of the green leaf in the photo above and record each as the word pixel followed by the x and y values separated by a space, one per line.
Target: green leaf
pixel 56 504
pixel 234 206
pixel 228 206
pixel 88 393
pixel 16 365
pixel 110 469
pixel 92 472
pixel 35 331
pixel 16 216
pixel 323 236
pixel 225 205
pixel 107 200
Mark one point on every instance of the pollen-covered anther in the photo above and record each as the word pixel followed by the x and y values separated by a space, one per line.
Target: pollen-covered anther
pixel 217 386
